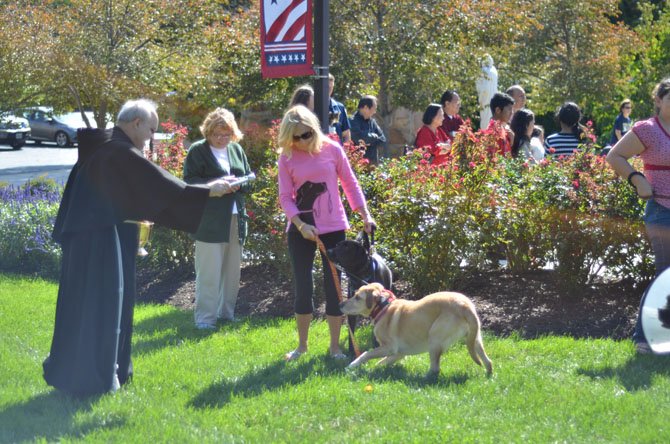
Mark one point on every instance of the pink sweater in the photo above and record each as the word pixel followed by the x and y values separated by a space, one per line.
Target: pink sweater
pixel 323 168
pixel 656 142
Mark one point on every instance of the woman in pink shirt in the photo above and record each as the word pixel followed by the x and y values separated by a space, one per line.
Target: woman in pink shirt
pixel 650 139
pixel 310 166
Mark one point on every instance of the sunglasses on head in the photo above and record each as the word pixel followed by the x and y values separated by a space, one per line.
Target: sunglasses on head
pixel 304 136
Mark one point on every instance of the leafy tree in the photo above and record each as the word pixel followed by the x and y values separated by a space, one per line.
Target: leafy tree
pixel 654 63
pixel 98 53
pixel 408 52
pixel 576 53
pixel 103 52
pixel 631 13
pixel 20 51
pixel 231 75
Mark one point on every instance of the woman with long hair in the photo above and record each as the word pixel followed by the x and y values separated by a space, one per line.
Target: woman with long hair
pixel 303 95
pixel 311 170
pixel 572 135
pixel 523 124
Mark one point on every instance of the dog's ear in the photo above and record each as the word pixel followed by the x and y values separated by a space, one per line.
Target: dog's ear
pixel 373 295
pixel 364 240
pixel 369 299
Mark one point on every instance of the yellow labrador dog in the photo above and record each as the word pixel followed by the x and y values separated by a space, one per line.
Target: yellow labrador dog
pixel 404 327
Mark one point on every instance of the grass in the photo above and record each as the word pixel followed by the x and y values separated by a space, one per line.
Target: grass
pixel 232 385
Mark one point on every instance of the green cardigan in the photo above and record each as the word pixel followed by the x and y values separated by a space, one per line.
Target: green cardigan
pixel 201 166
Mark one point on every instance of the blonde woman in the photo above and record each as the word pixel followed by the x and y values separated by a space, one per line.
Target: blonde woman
pixel 310 168
pixel 221 234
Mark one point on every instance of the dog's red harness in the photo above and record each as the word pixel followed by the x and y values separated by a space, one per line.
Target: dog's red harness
pixel 379 310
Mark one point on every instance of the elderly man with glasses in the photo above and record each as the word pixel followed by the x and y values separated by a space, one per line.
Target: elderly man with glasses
pixel 111 186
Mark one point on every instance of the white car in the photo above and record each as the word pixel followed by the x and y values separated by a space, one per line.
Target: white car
pixel 13 130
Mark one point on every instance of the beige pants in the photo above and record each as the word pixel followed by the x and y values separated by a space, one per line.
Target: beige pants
pixel 217 281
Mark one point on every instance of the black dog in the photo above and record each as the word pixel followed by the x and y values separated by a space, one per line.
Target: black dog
pixel 361 267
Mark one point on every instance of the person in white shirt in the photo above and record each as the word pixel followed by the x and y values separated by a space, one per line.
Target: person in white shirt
pixel 222 231
pixel 522 125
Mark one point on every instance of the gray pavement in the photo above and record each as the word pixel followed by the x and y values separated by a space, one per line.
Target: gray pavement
pixel 30 162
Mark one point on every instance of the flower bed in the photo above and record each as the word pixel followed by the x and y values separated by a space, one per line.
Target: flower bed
pixel 27 215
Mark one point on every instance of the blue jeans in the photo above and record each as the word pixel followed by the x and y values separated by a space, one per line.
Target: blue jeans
pixel 657 224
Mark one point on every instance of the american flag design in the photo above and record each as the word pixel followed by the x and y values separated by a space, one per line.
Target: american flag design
pixel 286 38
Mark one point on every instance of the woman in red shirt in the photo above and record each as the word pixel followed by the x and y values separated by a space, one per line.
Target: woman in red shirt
pixel 432 137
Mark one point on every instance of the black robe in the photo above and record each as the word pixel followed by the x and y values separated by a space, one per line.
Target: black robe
pixel 110 183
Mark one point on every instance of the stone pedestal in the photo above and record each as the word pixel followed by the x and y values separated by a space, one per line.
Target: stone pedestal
pixel 401 127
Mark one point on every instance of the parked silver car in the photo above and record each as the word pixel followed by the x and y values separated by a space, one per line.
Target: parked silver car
pixel 46 127
pixel 14 131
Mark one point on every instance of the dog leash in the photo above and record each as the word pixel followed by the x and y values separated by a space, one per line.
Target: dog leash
pixel 342 270
pixel 373 249
pixel 338 288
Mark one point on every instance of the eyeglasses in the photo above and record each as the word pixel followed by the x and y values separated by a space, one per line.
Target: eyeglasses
pixel 627 107
pixel 151 129
pixel 222 135
pixel 304 136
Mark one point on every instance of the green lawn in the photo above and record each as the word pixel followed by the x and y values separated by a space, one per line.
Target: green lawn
pixel 233 386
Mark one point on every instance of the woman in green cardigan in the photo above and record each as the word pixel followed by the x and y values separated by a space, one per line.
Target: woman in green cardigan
pixel 223 228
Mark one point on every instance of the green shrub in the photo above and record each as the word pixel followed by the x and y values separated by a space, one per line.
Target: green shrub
pixel 168 250
pixel 435 223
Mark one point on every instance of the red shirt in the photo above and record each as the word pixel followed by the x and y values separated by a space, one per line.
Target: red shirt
pixel 504 137
pixel 451 125
pixel 656 156
pixel 425 137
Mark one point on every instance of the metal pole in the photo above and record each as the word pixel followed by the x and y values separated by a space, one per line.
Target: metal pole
pixel 321 61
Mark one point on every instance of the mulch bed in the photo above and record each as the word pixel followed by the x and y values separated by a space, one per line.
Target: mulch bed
pixel 530 304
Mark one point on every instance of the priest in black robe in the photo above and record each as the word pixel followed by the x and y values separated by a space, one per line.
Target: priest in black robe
pixel 110 184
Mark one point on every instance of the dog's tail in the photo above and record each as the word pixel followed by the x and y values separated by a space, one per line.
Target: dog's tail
pixel 474 340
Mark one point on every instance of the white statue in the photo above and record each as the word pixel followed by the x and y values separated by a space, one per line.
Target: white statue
pixel 487 86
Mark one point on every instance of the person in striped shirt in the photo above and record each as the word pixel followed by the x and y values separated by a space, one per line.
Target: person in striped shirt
pixel 568 140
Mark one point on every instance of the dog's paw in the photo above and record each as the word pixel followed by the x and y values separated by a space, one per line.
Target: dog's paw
pixel 352 372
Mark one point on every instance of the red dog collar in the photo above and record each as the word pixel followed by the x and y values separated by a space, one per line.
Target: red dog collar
pixel 379 310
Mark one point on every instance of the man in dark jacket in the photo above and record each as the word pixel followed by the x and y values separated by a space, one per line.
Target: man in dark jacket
pixel 110 186
pixel 365 130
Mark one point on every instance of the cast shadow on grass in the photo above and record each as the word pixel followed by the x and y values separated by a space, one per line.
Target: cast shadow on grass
pixel 276 375
pixel 49 416
pixel 398 373
pixel 179 326
pixel 636 374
